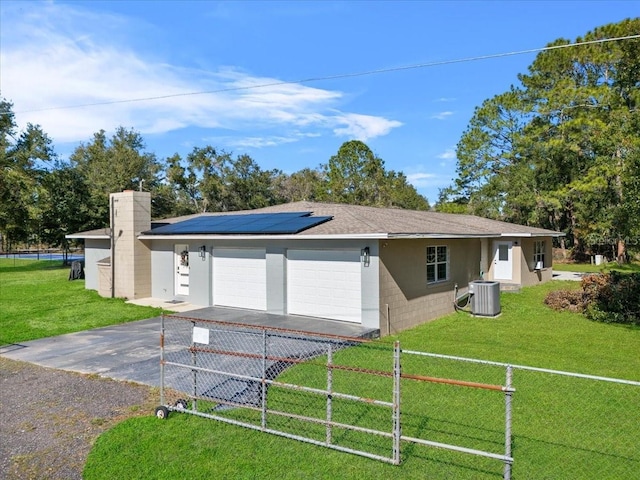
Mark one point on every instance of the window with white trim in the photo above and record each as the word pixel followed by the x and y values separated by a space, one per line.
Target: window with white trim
pixel 437 264
pixel 538 253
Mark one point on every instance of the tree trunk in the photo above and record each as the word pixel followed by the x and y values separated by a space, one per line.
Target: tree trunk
pixel 563 247
pixel 621 256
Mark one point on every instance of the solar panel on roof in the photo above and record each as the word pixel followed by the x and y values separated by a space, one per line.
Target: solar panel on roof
pixel 295 225
pixel 250 224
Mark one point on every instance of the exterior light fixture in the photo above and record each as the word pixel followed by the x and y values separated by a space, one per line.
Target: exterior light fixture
pixel 203 251
pixel 366 256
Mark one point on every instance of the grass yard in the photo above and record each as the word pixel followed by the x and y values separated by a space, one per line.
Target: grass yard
pixel 563 427
pixel 593 268
pixel 37 300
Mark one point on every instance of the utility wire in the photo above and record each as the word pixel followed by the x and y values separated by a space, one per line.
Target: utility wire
pixel 340 76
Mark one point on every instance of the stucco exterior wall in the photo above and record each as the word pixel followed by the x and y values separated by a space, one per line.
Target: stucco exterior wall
pixel 163 271
pixel 528 274
pixel 94 251
pixel 406 300
pixel 104 279
pixel 201 271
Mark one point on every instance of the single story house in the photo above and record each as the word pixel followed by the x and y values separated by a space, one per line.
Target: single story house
pixel 388 269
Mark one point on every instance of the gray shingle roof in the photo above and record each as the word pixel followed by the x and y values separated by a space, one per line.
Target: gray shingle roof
pixel 361 220
pixel 98 233
pixel 354 220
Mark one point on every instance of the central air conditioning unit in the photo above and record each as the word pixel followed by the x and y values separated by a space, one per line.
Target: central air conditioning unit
pixel 485 298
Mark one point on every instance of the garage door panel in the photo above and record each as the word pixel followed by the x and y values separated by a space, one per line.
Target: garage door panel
pixel 324 283
pixel 240 278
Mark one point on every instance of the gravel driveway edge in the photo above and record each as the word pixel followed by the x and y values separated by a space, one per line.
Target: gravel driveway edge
pixel 49 419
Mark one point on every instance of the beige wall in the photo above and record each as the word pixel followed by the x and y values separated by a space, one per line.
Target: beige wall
pixel 529 276
pixel 405 298
pixel 131 216
pixel 104 279
pixel 523 273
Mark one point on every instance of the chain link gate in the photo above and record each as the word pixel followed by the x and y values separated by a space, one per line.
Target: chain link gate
pixel 239 374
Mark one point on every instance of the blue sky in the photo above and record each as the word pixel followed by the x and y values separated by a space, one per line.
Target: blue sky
pixel 56 54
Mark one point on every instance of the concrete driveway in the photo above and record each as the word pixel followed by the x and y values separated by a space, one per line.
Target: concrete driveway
pixel 129 351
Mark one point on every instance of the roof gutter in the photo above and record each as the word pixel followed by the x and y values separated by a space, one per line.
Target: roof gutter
pixel 533 235
pixel 77 236
pixel 264 237
pixel 353 236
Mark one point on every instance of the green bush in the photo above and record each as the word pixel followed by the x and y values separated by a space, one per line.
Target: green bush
pixel 612 297
pixel 605 297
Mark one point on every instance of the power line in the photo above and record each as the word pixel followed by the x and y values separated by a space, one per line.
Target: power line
pixel 340 76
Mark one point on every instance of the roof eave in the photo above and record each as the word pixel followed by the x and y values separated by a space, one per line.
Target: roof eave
pixel 356 236
pixel 443 235
pixel 534 234
pixel 76 236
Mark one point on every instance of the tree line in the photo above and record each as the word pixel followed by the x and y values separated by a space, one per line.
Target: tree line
pixel 43 197
pixel 561 149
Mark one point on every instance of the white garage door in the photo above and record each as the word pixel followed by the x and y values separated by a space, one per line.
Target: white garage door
pixel 324 283
pixel 240 278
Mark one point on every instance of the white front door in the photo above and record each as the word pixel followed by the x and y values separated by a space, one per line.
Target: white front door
pixel 240 278
pixel 181 266
pixel 503 261
pixel 325 284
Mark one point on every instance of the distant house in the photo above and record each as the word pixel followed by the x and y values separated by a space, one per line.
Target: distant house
pixel 382 268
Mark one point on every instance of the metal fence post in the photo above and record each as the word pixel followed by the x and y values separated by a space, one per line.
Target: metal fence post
pixel 397 428
pixel 263 419
pixel 194 372
pixel 329 392
pixel 162 359
pixel 508 394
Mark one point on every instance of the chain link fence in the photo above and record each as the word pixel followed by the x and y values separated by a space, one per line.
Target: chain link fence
pixel 456 417
pixel 242 374
pixel 564 425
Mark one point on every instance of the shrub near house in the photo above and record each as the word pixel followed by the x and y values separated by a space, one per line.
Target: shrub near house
pixel 609 297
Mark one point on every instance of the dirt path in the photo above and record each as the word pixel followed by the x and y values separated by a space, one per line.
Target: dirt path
pixel 49 418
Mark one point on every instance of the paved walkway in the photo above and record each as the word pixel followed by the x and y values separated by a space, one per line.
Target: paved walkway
pixel 567 276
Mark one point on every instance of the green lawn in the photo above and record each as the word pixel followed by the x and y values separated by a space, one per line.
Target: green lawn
pixel 37 300
pixel 593 268
pixel 563 427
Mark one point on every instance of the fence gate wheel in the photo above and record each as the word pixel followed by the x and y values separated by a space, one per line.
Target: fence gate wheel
pixel 162 413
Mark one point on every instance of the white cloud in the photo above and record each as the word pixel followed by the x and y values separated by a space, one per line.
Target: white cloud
pixel 253 142
pixel 448 154
pixel 428 180
pixel 363 127
pixel 445 99
pixel 442 115
pixel 245 142
pixel 59 56
pixel 421 179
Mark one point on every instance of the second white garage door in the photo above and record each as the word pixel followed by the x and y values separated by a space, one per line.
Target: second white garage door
pixel 240 278
pixel 324 283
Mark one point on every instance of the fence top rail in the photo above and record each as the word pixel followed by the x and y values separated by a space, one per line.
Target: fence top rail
pixel 524 367
pixel 267 328
pixel 459 383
